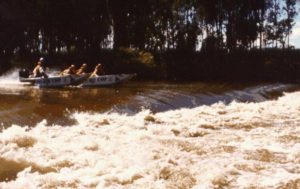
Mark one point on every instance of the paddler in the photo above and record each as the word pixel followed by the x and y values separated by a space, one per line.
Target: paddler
pixel 71 70
pixel 39 71
pixel 97 71
pixel 81 70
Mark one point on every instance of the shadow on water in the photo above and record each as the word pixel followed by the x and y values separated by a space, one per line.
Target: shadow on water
pixel 29 105
pixel 25 105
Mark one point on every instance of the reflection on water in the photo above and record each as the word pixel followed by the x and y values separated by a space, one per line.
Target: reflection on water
pixel 33 104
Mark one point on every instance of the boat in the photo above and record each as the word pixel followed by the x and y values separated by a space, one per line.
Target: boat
pixel 107 80
pixel 78 79
pixel 83 80
pixel 54 81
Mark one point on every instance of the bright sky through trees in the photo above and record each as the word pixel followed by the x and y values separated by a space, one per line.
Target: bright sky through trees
pixel 295 37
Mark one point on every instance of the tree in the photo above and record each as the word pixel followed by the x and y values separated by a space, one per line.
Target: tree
pixel 290 11
pixel 274 31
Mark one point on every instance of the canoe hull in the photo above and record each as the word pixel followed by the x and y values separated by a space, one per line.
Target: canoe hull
pixel 74 80
pixel 107 80
pixel 56 81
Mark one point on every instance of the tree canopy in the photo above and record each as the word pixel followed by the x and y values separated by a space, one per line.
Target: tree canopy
pixel 52 26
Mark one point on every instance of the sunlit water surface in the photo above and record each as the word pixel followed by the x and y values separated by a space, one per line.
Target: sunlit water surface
pixel 150 135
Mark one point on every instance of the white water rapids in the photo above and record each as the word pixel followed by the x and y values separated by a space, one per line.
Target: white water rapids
pixel 237 145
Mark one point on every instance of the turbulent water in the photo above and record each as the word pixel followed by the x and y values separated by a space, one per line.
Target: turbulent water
pixel 150 135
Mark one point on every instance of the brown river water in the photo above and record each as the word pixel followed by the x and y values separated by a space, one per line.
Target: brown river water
pixel 150 135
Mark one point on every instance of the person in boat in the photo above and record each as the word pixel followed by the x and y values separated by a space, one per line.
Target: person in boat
pixel 39 70
pixel 71 70
pixel 97 71
pixel 81 70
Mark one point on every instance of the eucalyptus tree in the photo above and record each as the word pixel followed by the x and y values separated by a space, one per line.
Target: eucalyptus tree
pixel 247 27
pixel 13 21
pixel 262 13
pixel 290 13
pixel 162 30
pixel 212 16
pixel 49 26
pixel 274 27
pixel 187 25
pixel 72 23
pixel 119 11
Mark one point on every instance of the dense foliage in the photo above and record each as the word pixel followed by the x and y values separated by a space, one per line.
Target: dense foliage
pixel 66 27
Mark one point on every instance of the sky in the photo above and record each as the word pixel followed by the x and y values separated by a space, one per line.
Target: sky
pixel 295 37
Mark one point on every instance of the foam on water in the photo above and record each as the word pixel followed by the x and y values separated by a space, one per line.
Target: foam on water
pixel 238 145
pixel 10 78
pixel 10 84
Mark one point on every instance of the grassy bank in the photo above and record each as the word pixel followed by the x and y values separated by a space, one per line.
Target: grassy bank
pixel 240 65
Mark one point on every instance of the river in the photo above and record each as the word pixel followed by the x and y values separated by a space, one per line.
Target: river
pixel 150 135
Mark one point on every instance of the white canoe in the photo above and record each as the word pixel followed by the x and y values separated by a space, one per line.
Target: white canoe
pixel 56 81
pixel 107 80
pixel 82 80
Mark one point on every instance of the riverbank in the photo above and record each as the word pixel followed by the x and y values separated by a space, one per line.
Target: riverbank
pixel 240 65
